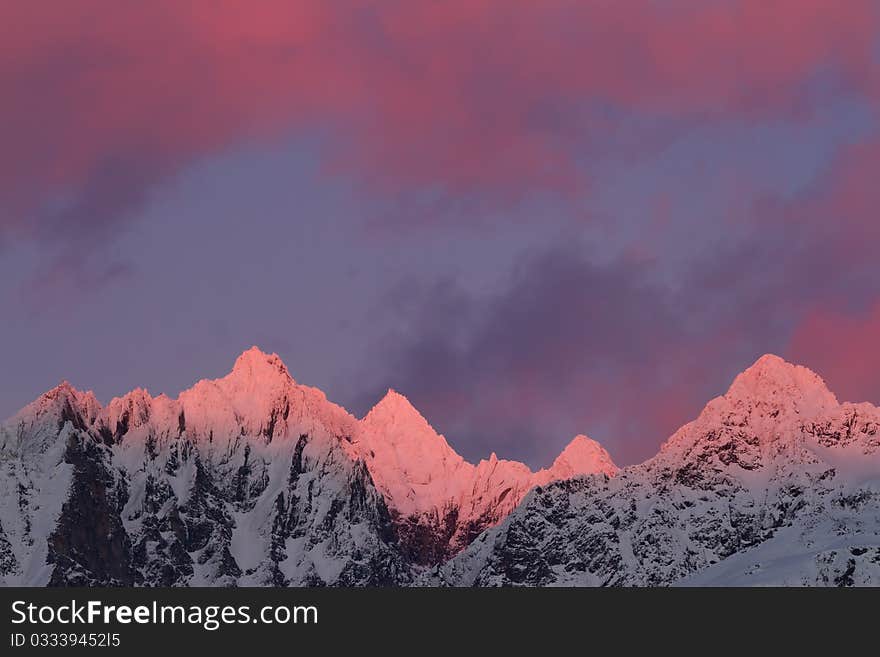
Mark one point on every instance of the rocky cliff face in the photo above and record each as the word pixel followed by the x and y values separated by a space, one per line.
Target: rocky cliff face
pixel 774 483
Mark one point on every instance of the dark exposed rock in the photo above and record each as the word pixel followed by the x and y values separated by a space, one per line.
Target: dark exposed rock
pixel 89 546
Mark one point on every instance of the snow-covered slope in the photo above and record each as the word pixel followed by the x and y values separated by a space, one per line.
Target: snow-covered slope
pixel 793 558
pixel 248 479
pixel 774 483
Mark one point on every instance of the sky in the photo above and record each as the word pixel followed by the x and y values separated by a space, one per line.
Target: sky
pixel 534 219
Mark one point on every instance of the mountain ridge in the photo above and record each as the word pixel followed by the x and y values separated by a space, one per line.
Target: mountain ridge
pixel 255 479
pixel 774 467
pixel 231 431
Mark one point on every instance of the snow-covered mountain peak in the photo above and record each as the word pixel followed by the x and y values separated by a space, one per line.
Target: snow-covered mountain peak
pixel 137 397
pixel 769 401
pixel 64 391
pixel 129 411
pixel 254 367
pixel 394 409
pixel 260 398
pixel 64 387
pixel 61 401
pixel 772 380
pixel 258 386
pixel 34 429
pixel 583 455
pixel 409 461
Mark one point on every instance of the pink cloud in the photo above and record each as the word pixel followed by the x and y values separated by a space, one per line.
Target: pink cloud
pixel 835 227
pixel 488 97
pixel 843 349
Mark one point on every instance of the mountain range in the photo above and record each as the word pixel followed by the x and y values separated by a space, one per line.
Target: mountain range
pixel 255 479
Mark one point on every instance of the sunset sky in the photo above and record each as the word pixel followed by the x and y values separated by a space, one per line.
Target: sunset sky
pixel 534 218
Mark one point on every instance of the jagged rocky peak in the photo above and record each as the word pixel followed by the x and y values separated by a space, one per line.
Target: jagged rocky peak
pixel 583 455
pixel 251 387
pixel 61 403
pixel 63 389
pixel 34 429
pixel 767 402
pixel 260 398
pixel 65 392
pixel 129 411
pixel 774 381
pixel 767 397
